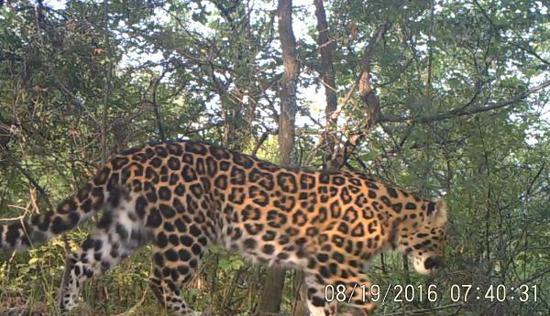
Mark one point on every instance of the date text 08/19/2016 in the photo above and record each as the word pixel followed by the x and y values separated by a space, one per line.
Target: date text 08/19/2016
pixel 431 293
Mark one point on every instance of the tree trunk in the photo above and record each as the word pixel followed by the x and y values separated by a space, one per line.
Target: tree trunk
pixel 238 114
pixel 287 93
pixel 270 300
pixel 327 77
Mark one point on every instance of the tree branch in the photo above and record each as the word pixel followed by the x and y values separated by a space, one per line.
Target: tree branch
pixel 464 111
pixel 367 57
pixel 262 139
pixel 369 98
pixel 156 106
pixel 34 183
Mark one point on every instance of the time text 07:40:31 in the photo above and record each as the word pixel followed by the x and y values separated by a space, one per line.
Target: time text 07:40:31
pixel 431 293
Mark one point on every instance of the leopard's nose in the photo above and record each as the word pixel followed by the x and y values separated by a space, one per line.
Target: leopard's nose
pixel 433 263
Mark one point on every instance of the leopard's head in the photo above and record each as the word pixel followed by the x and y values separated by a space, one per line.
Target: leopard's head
pixel 424 238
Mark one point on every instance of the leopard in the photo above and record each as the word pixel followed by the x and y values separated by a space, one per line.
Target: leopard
pixel 180 197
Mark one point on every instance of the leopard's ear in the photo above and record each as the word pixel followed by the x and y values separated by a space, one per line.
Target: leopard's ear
pixel 437 212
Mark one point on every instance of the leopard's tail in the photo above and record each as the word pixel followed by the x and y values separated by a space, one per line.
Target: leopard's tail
pixel 72 211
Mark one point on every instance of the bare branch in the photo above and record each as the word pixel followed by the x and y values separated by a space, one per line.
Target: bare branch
pixel 156 106
pixel 262 139
pixel 366 59
pixel 369 98
pixel 34 183
pixel 464 111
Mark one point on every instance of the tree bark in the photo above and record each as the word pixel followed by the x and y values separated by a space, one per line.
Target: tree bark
pixel 287 92
pixel 270 300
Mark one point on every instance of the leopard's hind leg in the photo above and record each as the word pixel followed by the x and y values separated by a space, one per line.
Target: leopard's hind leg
pixel 315 297
pixel 176 257
pixel 119 232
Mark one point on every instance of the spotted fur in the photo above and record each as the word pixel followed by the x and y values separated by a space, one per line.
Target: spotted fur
pixel 185 196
